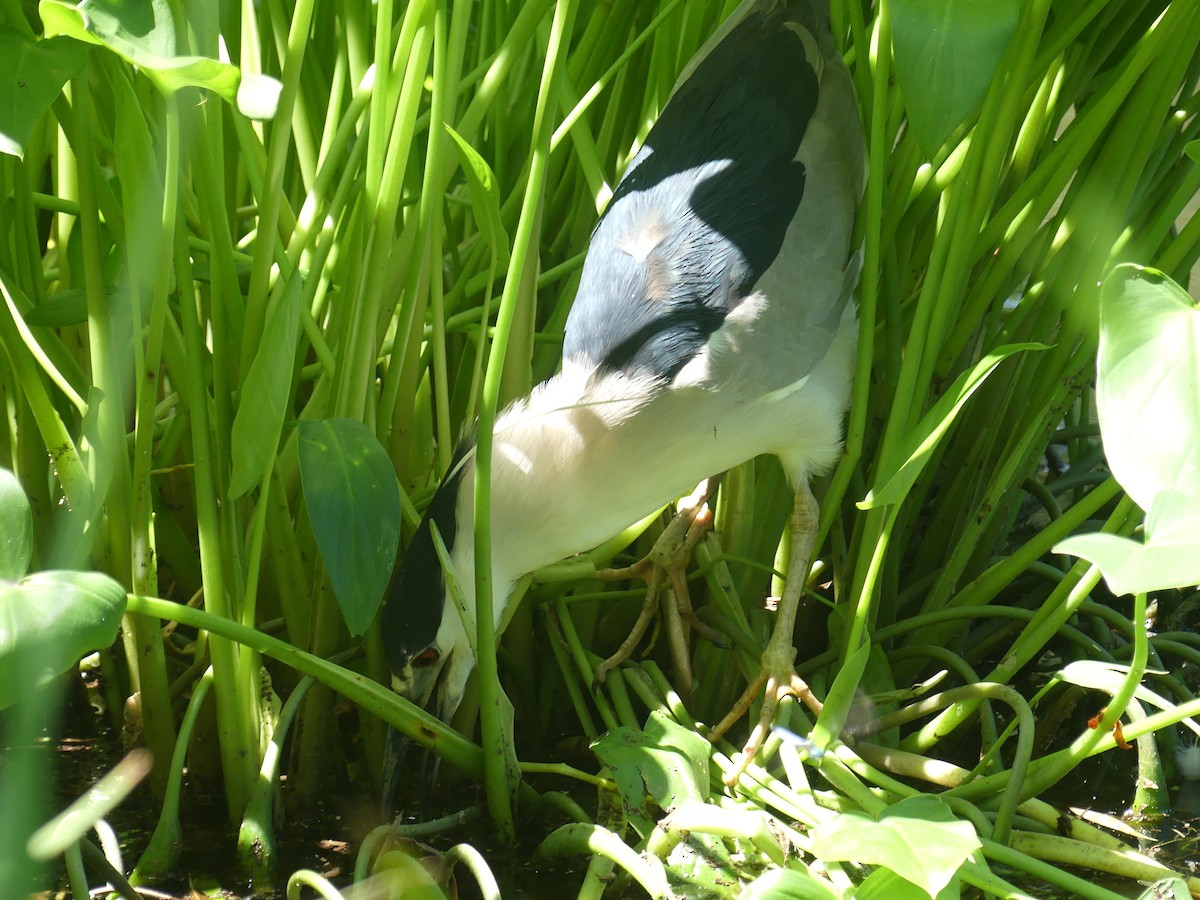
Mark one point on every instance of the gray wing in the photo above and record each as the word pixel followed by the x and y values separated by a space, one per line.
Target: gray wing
pixel 703 209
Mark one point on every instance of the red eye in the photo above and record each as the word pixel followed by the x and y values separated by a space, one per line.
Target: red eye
pixel 426 658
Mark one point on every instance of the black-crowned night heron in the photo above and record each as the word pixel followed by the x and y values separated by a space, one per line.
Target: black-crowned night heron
pixel 713 323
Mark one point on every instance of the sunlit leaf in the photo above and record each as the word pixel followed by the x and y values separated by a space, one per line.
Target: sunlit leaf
pixel 259 420
pixel 786 884
pixel 1148 382
pixel 947 53
pixel 353 503
pixel 32 75
pixel 1131 567
pixel 144 34
pixel 919 446
pixel 884 884
pixel 918 838
pixel 49 621
pixel 16 528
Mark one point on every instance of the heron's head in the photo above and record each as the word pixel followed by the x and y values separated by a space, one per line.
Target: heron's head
pixel 427 648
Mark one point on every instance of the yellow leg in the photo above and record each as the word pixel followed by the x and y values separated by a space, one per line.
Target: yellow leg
pixel 777 676
pixel 670 555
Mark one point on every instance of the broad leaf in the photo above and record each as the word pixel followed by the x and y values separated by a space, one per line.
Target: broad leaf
pixel 786 884
pixel 665 763
pixel 947 53
pixel 144 34
pixel 918 838
pixel 16 528
pixel 1131 567
pixel 1147 390
pixel 884 884
pixel 1148 383
pixel 264 396
pixel 354 505
pixel 50 620
pixel 32 75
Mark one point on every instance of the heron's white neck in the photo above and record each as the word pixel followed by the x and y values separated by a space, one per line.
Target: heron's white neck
pixel 576 462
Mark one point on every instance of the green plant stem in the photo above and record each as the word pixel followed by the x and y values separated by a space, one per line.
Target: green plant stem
pixel 1012 795
pixel 499 790
pixel 577 838
pixel 162 851
pixel 1023 860
pixel 420 726
pixel 234 731
pixel 474 862
pixel 256 836
pixel 270 200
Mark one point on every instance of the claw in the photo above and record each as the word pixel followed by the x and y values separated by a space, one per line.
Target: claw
pixel 777 676
pixel 670 555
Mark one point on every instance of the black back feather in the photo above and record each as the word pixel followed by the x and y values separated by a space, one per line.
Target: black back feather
pixel 703 208
pixel 416 594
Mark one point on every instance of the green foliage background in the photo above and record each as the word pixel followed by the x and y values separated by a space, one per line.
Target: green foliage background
pixel 223 224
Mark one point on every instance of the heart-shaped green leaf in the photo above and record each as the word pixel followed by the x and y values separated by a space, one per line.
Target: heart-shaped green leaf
pixel 918 838
pixel 1148 382
pixel 354 505
pixel 49 621
pixel 947 53
pixel 666 763
pixel 1147 390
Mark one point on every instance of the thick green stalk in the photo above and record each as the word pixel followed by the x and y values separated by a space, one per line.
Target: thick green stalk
pixel 234 731
pixel 132 553
pixel 423 728
pixel 496 775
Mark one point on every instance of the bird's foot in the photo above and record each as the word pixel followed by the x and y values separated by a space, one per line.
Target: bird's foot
pixel 670 556
pixel 775 680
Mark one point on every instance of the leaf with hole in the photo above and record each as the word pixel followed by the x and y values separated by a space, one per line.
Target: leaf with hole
pixel 666 763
